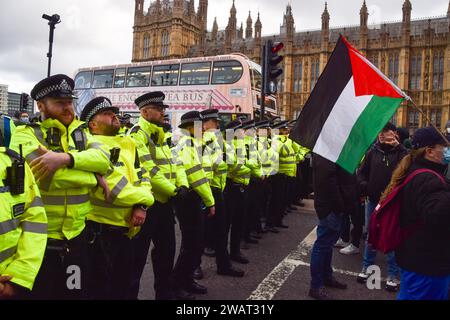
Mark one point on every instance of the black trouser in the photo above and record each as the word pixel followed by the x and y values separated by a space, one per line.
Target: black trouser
pixel 278 200
pixel 236 199
pixel 220 231
pixel 64 274
pixel 111 259
pixel 159 227
pixel 255 207
pixel 356 220
pixel 190 217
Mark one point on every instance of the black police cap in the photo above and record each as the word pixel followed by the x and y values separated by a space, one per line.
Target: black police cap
pixel 95 106
pixel 210 114
pixel 248 124
pixel 262 124
pixel 280 125
pixel 155 98
pixel 189 118
pixel 234 125
pixel 56 86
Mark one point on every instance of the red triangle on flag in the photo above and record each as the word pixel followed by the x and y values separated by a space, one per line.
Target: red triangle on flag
pixel 368 80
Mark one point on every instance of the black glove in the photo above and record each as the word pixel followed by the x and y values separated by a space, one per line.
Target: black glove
pixel 182 193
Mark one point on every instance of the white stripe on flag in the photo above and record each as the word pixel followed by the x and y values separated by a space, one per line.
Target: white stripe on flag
pixel 340 122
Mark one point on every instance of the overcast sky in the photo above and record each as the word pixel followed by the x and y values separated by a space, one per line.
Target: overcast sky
pixel 99 32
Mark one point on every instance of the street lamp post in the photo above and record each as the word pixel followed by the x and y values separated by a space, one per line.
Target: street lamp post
pixel 52 22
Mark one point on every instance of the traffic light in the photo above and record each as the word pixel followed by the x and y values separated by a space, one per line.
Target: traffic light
pixel 272 69
pixel 24 102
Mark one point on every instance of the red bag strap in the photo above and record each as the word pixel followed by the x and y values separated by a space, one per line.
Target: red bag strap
pixel 419 171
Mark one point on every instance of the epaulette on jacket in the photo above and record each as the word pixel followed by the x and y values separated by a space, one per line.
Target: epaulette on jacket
pixel 135 129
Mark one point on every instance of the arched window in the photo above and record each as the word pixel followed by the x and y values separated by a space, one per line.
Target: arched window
pixel 298 74
pixel 393 67
pixel 415 71
pixel 314 73
pixel 147 43
pixel 438 71
pixel 165 43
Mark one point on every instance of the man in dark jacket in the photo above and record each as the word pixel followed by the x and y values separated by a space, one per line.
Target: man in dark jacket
pixel 333 193
pixel 374 176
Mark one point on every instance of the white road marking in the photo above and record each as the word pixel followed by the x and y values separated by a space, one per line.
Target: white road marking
pixel 273 282
pixel 267 289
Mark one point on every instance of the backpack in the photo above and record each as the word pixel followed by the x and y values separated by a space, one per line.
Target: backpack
pixel 385 233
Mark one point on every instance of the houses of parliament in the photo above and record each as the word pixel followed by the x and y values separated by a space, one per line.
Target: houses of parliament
pixel 415 54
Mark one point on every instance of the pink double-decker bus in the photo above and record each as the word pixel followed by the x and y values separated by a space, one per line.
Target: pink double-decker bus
pixel 230 83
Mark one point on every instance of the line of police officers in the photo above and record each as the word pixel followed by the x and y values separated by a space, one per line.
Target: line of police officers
pixel 81 203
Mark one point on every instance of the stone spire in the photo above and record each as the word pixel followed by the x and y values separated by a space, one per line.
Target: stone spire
pixel 407 8
pixel 249 29
pixel 325 20
pixel 258 28
pixel 289 22
pixel 215 30
pixel 364 16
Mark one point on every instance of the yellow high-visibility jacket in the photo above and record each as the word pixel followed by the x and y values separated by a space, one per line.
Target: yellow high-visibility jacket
pixel 287 160
pixel 253 157
pixel 156 157
pixel 239 172
pixel 128 182
pixel 189 152
pixel 213 160
pixel 300 151
pixel 66 193
pixel 23 227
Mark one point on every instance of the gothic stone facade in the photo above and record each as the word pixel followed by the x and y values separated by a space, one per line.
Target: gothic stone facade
pixel 415 54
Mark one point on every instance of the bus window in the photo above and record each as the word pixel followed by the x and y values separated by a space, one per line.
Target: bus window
pixel 227 72
pixel 138 77
pixel 83 80
pixel 256 79
pixel 165 75
pixel 103 79
pixel 119 78
pixel 195 73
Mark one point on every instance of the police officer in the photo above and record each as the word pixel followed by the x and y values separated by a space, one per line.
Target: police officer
pixel 23 226
pixel 216 169
pixel 287 170
pixel 115 220
pixel 254 187
pixel 235 193
pixel 189 210
pixel 66 164
pixel 7 129
pixel 169 182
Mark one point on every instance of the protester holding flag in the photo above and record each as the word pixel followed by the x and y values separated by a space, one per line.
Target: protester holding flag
pixel 350 104
pixel 424 257
pixel 374 176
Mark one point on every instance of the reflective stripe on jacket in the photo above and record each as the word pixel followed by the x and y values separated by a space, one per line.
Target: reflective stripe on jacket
pixel 156 157
pixel 129 185
pixel 66 193
pixel 23 228
pixel 189 152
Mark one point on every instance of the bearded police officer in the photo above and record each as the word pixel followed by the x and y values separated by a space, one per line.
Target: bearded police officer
pixel 115 220
pixel 66 164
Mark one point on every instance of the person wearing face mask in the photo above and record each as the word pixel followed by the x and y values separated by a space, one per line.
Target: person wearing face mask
pixel 424 257
pixel 373 177
pixel 24 118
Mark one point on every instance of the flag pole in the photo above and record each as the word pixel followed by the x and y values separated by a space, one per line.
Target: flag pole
pixel 427 119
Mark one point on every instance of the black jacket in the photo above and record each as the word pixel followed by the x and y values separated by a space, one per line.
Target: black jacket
pixel 335 190
pixel 427 251
pixel 376 171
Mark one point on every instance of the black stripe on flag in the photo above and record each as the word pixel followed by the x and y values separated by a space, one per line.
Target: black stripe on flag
pixel 332 82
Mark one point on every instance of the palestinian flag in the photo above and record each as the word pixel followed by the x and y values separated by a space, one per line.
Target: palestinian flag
pixel 350 104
